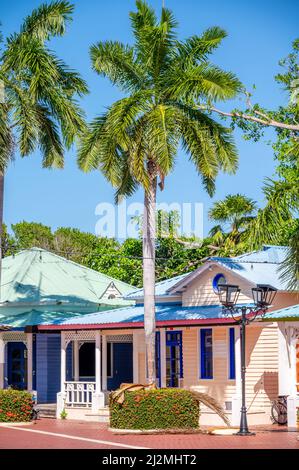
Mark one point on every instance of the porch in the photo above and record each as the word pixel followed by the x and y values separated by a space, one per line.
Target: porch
pixel 16 360
pixel 93 364
pixel 289 368
pixel 102 360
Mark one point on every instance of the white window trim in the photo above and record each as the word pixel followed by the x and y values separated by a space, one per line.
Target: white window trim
pixel 199 354
pixel 111 360
pixel 228 354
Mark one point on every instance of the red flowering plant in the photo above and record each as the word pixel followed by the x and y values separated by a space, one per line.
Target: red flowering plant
pixel 169 408
pixel 15 406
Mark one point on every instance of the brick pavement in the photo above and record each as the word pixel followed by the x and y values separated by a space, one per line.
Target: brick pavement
pixel 57 434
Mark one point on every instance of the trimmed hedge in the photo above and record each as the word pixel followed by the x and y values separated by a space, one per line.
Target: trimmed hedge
pixel 167 408
pixel 15 405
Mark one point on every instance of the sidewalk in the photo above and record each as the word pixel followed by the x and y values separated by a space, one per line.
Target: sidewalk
pixel 57 434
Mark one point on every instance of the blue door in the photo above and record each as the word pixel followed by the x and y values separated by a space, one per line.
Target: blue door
pixel 120 369
pixel 174 358
pixel 17 365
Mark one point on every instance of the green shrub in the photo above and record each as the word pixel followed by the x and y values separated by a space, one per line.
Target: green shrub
pixel 15 406
pixel 168 408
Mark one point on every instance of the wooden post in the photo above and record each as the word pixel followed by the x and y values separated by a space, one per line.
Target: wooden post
pixel 76 360
pixel 2 360
pixel 98 362
pixel 29 344
pixel 136 336
pixel 104 362
pixel 63 362
pixel 236 399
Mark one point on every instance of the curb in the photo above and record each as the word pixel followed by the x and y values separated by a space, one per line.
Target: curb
pixel 21 423
pixel 156 431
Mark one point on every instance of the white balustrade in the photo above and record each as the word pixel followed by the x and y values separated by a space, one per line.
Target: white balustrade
pixel 79 393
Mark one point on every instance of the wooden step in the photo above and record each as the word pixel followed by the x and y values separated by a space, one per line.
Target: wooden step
pixel 102 415
pixel 46 410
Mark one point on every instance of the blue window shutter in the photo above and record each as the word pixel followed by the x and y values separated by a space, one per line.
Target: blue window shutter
pixel 181 355
pixel 206 353
pixel 232 358
pixel 158 357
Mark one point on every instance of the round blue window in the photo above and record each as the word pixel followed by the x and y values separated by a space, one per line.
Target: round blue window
pixel 218 279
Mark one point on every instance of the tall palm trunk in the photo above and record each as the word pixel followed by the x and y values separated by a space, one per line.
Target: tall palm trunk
pixel 1 224
pixel 149 232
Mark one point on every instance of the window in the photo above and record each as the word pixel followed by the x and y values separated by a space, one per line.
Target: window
pixel 206 353
pixel 218 279
pixel 174 358
pixel 232 359
pixel 87 360
pixel 109 360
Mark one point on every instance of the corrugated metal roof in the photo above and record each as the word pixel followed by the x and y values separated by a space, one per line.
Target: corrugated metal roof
pixel 268 254
pixel 257 273
pixel 39 276
pixel 39 317
pixel 161 287
pixel 135 314
pixel 291 312
pixel 258 267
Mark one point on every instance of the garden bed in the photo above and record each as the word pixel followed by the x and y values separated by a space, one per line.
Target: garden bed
pixel 154 411
pixel 15 406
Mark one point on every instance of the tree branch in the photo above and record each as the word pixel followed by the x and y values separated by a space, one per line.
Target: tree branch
pixel 266 121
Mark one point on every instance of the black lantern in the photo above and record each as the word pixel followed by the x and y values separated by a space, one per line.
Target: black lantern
pixel 263 295
pixel 228 294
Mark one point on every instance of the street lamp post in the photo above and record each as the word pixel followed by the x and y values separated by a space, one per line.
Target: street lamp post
pixel 263 296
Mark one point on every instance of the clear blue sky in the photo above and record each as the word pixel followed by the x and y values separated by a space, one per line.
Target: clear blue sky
pixel 259 34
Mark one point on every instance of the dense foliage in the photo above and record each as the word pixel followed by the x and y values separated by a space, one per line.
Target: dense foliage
pixel 15 406
pixel 107 255
pixel 156 409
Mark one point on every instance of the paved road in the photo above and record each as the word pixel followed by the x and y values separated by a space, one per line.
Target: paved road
pixel 57 434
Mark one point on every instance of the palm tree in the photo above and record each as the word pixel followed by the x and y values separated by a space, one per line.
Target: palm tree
pixel 37 105
pixel 280 214
pixel 135 142
pixel 234 214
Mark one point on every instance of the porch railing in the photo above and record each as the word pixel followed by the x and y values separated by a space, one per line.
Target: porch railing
pixel 79 393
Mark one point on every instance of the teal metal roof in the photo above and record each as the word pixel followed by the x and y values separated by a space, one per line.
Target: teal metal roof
pixel 121 317
pixel 39 317
pixel 283 314
pixel 39 277
pixel 135 314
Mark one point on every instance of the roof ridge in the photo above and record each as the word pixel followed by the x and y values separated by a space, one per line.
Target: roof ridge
pixel 159 282
pixel 33 249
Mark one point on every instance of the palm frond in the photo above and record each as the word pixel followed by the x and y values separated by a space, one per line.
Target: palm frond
pixel 6 138
pixel 117 62
pixel 127 184
pixel 210 402
pixel 204 82
pixel 197 48
pixel 25 118
pixel 48 20
pixel 123 114
pixel 289 269
pixel 233 206
pixel 163 136
pixel 90 144
pixel 49 140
